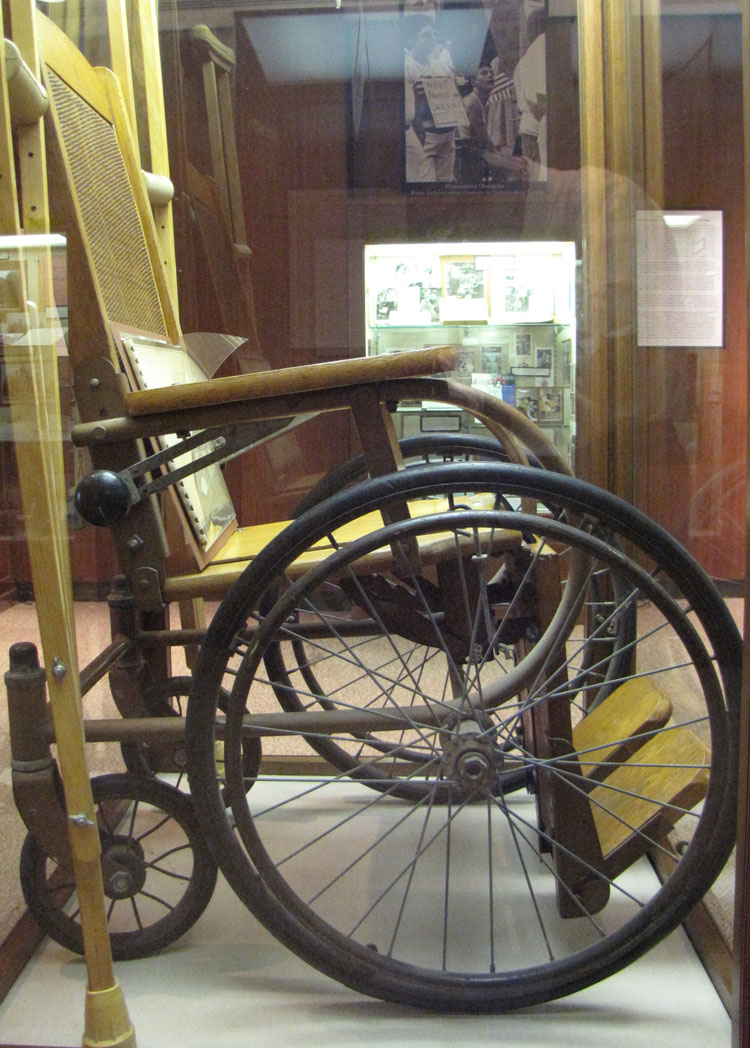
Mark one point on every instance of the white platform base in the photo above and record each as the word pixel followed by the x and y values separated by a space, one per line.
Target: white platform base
pixel 229 984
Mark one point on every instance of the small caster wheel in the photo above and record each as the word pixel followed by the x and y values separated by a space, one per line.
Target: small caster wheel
pixel 158 874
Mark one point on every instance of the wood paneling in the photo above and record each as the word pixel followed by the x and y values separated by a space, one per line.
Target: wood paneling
pixel 664 427
pixel 690 404
pixel 741 971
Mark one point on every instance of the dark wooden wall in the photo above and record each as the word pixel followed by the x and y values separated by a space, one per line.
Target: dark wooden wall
pixel 690 404
pixel 314 198
pixel 315 194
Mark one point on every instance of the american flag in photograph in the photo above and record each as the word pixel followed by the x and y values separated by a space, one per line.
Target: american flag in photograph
pixel 503 88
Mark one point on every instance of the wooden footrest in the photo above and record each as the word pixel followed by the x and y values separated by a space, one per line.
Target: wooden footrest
pixel 641 779
pixel 617 728
pixel 642 800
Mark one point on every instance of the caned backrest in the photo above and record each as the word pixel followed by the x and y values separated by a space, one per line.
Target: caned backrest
pixel 119 302
pixel 111 223
pixel 101 198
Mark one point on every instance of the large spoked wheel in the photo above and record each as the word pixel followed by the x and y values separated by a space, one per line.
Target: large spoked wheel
pixel 600 668
pixel 423 450
pixel 158 874
pixel 449 648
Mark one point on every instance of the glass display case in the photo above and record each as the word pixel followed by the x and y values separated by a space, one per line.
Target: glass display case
pixel 509 307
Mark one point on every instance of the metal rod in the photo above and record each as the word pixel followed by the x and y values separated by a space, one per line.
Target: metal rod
pixel 117 729
pixel 104 661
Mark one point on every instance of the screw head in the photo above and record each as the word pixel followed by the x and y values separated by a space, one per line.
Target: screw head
pixel 120 882
pixel 80 818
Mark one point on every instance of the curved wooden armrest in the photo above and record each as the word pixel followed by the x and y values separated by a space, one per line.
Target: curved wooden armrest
pixel 292 381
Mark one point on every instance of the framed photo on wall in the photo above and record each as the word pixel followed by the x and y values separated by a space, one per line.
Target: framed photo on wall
pixel 527 401
pixel 464 286
pixel 474 94
pixel 543 357
pixel 551 405
pixel 447 95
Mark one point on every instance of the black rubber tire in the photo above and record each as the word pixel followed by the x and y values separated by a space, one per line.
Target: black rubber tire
pixel 133 857
pixel 272 887
pixel 426 449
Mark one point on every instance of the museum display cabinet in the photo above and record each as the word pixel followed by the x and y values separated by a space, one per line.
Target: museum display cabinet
pixel 508 307
pixel 384 365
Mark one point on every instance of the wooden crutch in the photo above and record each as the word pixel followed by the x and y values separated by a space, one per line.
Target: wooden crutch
pixel 35 411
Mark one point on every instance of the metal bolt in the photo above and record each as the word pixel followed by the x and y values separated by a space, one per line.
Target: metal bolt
pixel 120 881
pixel 59 669
pixel 81 819
pixel 473 765
pixel 135 543
pixel 95 383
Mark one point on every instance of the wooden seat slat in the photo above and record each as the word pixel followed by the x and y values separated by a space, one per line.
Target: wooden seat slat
pixel 246 543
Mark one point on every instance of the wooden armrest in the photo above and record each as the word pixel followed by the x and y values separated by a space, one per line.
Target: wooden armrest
pixel 291 381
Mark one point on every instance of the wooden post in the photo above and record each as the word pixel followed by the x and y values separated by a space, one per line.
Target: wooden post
pixel 621 170
pixel 119 50
pixel 146 44
pixel 592 394
pixel 622 115
pixel 741 980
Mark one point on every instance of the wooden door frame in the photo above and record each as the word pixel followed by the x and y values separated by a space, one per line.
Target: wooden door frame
pixel 741 994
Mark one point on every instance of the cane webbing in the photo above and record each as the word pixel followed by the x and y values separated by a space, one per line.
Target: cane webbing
pixel 115 242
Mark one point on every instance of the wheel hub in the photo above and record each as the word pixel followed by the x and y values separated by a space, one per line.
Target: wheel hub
pixel 473 762
pixel 123 869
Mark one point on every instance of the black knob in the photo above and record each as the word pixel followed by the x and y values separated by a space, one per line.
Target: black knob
pixel 102 498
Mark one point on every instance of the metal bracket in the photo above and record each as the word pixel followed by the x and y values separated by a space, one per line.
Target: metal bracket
pixel 223 446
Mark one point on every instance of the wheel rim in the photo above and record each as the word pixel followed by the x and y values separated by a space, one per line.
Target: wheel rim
pixel 317 911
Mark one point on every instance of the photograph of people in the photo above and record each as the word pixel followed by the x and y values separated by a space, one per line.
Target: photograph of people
pixel 430 145
pixel 475 93
pixel 480 161
pixel 530 82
